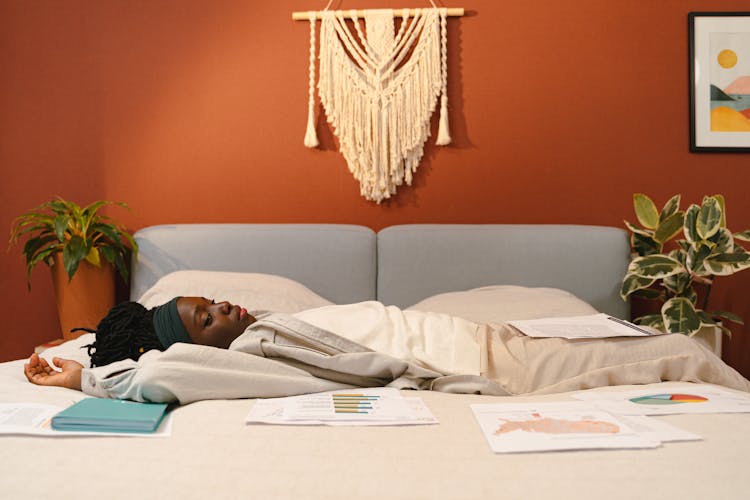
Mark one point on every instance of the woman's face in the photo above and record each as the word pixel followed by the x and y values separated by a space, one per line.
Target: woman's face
pixel 212 323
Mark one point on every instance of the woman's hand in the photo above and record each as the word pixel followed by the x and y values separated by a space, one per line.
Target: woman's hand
pixel 39 372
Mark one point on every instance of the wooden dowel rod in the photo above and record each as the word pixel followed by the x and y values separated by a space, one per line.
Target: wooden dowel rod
pixel 305 16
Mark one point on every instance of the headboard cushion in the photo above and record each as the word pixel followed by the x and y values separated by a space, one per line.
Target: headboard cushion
pixel 421 260
pixel 337 261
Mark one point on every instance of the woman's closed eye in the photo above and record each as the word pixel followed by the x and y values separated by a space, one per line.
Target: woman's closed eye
pixel 209 317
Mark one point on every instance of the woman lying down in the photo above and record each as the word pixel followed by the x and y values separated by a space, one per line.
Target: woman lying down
pixel 192 348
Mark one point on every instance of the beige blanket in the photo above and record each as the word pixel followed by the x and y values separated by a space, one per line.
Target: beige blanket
pixel 525 365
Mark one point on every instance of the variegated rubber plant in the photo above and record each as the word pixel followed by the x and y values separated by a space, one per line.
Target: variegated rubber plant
pixel 689 265
pixel 61 226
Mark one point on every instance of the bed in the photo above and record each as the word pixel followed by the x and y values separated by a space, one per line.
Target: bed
pixel 484 272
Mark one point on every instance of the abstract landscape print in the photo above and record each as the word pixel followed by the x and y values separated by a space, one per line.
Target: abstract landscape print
pixel 729 67
pixel 719 81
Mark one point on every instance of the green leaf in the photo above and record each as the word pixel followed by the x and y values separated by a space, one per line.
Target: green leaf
pixel 121 266
pixel 29 226
pixel 669 227
pixel 655 266
pixel 108 253
pixel 708 221
pixel 644 245
pixel 677 283
pixel 33 245
pixel 723 207
pixel 73 253
pixel 61 225
pixel 632 283
pixel 743 235
pixel 727 263
pixel 635 229
pixel 645 211
pixel 92 209
pixel 691 216
pixel 652 320
pixel 670 207
pixel 93 257
pixel 728 316
pixel 132 242
pixel 724 241
pixel 679 316
pixel 694 258
pixel 107 230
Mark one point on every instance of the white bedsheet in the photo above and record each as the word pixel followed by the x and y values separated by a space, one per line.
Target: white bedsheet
pixel 213 454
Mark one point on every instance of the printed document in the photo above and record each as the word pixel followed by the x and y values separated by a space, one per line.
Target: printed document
pixel 594 326
pixel 527 427
pixel 378 406
pixel 669 400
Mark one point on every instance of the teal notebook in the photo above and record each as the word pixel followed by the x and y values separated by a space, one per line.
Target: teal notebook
pixel 110 415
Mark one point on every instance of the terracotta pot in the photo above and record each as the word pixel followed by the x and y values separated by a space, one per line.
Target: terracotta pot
pixel 85 300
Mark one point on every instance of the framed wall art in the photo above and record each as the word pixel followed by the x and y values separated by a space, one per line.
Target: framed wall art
pixel 719 81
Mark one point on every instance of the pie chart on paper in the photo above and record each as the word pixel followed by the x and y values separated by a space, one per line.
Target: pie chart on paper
pixel 668 399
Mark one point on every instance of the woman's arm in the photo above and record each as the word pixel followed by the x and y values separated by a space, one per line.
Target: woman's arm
pixel 39 372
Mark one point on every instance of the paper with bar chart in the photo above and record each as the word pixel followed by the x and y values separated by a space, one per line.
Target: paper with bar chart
pixel 378 406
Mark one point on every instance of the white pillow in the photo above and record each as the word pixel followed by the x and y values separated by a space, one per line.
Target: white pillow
pixel 506 302
pixel 256 292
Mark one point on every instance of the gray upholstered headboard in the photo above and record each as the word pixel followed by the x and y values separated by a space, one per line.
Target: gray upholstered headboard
pixel 337 261
pixel 400 265
pixel 417 261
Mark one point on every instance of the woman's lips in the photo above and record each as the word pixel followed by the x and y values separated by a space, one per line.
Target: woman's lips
pixel 243 313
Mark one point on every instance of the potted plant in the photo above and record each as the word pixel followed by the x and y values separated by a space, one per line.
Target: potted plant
pixel 679 274
pixel 83 248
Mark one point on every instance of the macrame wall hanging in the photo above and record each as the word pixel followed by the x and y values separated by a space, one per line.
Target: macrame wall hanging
pixel 379 89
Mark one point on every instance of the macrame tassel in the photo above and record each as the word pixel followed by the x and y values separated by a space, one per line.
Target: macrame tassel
pixel 311 138
pixel 444 134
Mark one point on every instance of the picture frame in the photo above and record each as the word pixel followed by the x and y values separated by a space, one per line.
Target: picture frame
pixel 719 60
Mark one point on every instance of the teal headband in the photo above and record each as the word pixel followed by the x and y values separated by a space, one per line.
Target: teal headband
pixel 168 325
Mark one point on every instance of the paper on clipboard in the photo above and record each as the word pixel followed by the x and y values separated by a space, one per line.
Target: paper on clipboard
pixel 594 326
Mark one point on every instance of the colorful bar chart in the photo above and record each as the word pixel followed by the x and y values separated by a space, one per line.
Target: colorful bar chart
pixel 354 403
pixel 361 404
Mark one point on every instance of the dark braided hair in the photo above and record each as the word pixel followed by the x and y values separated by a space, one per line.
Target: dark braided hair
pixel 127 331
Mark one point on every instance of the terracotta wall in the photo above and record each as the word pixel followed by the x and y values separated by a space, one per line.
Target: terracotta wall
pixel 194 111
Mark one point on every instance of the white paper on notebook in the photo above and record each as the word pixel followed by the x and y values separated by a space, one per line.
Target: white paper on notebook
pixel 594 326
pixel 33 419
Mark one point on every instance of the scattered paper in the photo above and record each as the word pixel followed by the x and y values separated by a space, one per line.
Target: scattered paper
pixel 595 326
pixel 658 430
pixel 35 420
pixel 380 406
pixel 687 398
pixel 527 427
